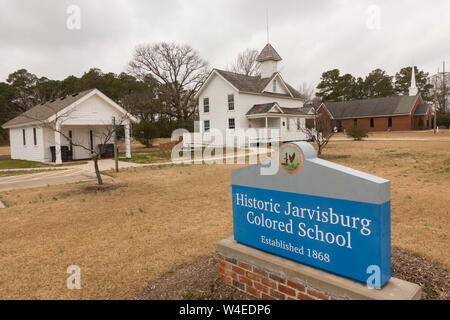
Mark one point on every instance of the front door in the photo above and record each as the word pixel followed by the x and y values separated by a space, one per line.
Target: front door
pixel 81 143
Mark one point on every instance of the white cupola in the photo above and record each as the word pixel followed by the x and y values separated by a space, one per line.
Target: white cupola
pixel 269 61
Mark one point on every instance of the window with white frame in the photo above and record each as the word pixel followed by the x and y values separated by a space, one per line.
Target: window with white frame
pixel 299 126
pixel 205 105
pixel 207 125
pixel 288 125
pixel 231 123
pixel 24 137
pixel 231 102
pixel 274 85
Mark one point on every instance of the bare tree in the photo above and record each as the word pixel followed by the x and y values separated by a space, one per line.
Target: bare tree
pixel 321 132
pixel 105 136
pixel 307 91
pixel 180 71
pixel 441 90
pixel 246 63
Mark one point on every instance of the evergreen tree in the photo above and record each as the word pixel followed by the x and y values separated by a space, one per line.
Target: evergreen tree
pixel 378 84
pixel 403 82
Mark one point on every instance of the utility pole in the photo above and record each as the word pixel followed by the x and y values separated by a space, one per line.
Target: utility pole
pixel 444 89
pixel 435 105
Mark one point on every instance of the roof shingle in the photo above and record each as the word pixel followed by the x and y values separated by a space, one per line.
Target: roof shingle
pixel 254 84
pixel 42 112
pixel 268 53
pixel 387 106
pixel 266 107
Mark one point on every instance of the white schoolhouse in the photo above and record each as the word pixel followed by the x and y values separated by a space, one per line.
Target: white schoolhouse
pixel 66 129
pixel 230 101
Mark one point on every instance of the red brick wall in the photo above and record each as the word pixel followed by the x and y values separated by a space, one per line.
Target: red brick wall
pixel 399 123
pixel 263 284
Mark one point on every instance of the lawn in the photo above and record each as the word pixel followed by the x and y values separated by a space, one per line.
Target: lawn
pixel 164 217
pixel 143 155
pixel 21 164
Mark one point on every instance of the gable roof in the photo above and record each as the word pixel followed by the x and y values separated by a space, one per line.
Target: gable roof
pixel 375 107
pixel 42 112
pixel 255 84
pixel 268 53
pixel 267 107
pixel 421 109
pixel 45 111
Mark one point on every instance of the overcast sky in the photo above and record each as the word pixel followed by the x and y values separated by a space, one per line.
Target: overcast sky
pixel 311 36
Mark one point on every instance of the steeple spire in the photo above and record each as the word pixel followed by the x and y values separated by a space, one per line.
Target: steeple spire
pixel 413 90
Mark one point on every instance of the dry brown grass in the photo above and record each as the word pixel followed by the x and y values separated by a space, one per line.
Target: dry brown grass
pixel 164 217
pixel 443 134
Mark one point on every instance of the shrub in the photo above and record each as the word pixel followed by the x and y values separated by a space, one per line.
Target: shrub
pixel 443 119
pixel 145 132
pixel 358 133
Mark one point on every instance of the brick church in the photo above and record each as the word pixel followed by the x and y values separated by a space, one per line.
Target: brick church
pixel 395 113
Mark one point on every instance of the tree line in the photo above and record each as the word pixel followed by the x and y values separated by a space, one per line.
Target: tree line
pixel 334 86
pixel 162 79
pixel 158 88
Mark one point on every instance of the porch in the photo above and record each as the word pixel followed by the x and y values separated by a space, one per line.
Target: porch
pixel 290 128
pixel 79 142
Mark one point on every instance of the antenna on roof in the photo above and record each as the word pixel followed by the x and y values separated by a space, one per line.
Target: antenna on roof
pixel 267 23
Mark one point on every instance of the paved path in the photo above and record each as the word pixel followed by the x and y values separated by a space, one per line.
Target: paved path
pixel 45 178
pixel 79 173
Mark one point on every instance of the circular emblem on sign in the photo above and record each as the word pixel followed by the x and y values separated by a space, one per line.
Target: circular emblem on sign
pixel 290 158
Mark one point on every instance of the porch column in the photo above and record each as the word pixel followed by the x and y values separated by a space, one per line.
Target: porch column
pixel 58 143
pixel 127 140
pixel 267 123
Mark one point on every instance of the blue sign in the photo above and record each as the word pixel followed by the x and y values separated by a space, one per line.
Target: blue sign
pixel 295 213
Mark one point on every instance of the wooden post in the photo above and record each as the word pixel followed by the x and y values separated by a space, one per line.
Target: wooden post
pixel 116 152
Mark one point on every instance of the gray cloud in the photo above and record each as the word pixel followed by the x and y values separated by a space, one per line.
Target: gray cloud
pixel 311 36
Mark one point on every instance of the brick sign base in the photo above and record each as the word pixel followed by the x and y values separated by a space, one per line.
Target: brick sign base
pixel 264 284
pixel 265 276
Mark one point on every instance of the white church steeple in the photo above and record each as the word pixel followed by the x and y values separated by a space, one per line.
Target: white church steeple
pixel 413 90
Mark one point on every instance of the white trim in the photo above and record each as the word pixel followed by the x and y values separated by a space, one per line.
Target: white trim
pixel 204 85
pixel 86 97
pixel 23 125
pixel 278 107
pixel 271 115
pixel 275 75
pixel 273 95
pixel 326 109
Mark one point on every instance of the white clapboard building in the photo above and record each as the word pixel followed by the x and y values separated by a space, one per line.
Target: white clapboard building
pixel 230 101
pixel 66 129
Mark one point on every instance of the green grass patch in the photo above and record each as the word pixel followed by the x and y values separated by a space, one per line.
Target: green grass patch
pixel 154 155
pixel 151 155
pixel 21 164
